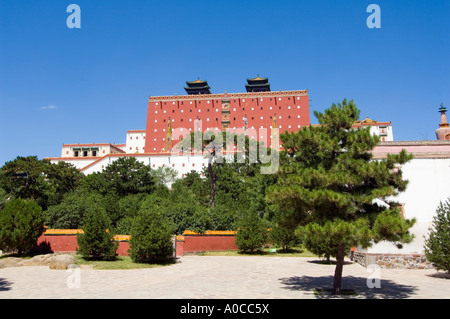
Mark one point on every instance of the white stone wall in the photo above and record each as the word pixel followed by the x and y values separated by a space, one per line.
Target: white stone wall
pixel 429 183
pixel 78 163
pixel 182 164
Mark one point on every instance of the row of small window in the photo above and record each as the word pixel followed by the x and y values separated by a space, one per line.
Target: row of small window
pixel 182 165
pixel 234 119
pixel 162 150
pixel 84 153
pixel 173 165
pixel 182 175
pixel 234 100
pixel 234 109
pixel 137 137
pixel 234 127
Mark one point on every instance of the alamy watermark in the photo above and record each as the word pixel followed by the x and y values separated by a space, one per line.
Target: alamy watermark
pixel 238 149
pixel 74 19
pixel 374 279
pixel 374 19
pixel 74 278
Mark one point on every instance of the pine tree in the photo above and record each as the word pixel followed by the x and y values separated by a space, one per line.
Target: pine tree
pixel 21 224
pixel 437 245
pixel 328 182
pixel 151 237
pixel 252 232
pixel 96 241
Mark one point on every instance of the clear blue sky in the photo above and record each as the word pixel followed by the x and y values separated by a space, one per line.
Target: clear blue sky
pixel 61 85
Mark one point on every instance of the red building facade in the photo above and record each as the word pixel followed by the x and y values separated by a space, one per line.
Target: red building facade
pixel 254 112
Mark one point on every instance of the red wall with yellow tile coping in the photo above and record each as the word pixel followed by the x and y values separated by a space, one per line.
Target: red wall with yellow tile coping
pixel 65 240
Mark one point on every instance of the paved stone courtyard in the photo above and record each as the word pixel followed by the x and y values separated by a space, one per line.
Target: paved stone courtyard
pixel 201 277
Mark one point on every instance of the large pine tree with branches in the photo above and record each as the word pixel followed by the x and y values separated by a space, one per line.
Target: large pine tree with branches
pixel 328 183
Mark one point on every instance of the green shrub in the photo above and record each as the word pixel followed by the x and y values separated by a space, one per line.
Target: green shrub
pixel 96 242
pixel 284 238
pixel 252 233
pixel 437 245
pixel 151 237
pixel 21 224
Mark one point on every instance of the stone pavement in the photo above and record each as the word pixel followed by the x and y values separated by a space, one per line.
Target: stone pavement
pixel 201 277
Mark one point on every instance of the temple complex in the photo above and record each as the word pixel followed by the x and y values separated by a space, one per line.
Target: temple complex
pixel 263 115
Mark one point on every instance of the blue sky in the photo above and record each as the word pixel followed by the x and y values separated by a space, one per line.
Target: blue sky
pixel 61 85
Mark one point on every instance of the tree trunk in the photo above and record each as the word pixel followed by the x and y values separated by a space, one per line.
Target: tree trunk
pixel 212 196
pixel 337 282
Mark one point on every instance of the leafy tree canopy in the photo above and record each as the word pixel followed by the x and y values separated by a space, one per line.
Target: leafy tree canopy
pixel 125 176
pixel 40 180
pixel 72 209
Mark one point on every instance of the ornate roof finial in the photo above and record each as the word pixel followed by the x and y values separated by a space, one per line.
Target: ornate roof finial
pixel 443 132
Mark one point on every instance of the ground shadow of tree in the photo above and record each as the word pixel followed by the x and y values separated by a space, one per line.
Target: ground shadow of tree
pixel 388 289
pixel 5 284
pixel 440 275
pixel 325 262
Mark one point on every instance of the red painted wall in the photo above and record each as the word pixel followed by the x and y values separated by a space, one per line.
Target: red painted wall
pixel 68 243
pixel 292 106
pixel 123 248
pixel 179 246
pixel 61 241
pixel 197 243
pixel 64 243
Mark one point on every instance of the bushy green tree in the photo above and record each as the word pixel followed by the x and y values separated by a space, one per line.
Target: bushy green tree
pixel 97 241
pixel 62 178
pixel 180 207
pixel 24 178
pixel 247 158
pixel 72 209
pixel 127 176
pixel 95 182
pixel 128 208
pixel 223 217
pixel 151 237
pixel 40 180
pixel 284 237
pixel 437 245
pixel 197 185
pixel 252 232
pixel 124 176
pixel 329 180
pixel 21 224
